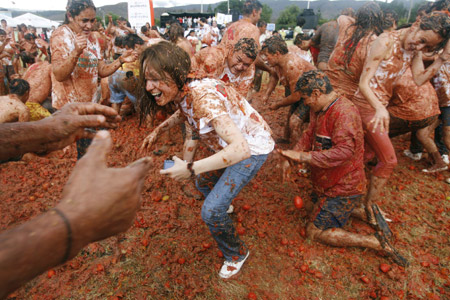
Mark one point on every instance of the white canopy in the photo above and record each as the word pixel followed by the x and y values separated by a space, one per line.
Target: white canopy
pixel 10 21
pixel 36 21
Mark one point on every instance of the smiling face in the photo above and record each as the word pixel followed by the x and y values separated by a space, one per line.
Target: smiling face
pixel 238 62
pixel 162 88
pixel 418 40
pixel 268 58
pixel 84 22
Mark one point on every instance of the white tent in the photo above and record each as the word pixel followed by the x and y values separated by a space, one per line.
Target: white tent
pixel 36 21
pixel 10 21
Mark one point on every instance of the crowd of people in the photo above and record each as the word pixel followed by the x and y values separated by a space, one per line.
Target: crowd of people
pixel 360 81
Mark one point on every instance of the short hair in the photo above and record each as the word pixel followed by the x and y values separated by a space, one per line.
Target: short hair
pixel 203 19
pixel 27 57
pixel 122 19
pixel 19 87
pixel 118 41
pixel 29 36
pixel 144 29
pixel 275 44
pixel 251 5
pixel 2 32
pixel 131 40
pixel 313 80
pixel 301 37
pixel 390 16
pixel 248 46
pixel 262 23
pixel 3 20
pixel 300 20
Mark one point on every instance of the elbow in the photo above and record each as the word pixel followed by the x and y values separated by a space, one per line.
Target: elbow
pixel 246 153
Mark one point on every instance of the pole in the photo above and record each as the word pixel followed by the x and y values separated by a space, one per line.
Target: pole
pixel 152 14
pixel 201 7
pixel 228 6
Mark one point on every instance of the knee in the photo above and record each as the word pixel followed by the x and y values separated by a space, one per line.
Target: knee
pixel 312 232
pixel 212 215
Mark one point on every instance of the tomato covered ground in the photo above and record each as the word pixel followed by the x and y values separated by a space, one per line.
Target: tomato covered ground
pixel 169 254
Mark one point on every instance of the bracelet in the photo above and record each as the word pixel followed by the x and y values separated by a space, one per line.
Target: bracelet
pixel 189 167
pixel 69 234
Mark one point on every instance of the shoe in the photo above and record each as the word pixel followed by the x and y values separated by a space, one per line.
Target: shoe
pixel 435 168
pixel 413 156
pixel 231 268
pixel 445 159
pixel 230 209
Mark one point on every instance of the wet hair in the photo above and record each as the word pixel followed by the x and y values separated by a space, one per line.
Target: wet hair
pixel 301 37
pixel 175 32
pixel 75 7
pixel 2 32
pixel 29 36
pixel 27 57
pixel 21 26
pixel 313 80
pixel 249 6
pixel 121 19
pixel 118 41
pixel 368 20
pixel 424 8
pixel 203 19
pixel 300 20
pixel 390 18
pixel 348 12
pixel 166 59
pixel 440 5
pixel 154 27
pixel 438 22
pixel 275 44
pixel 261 23
pixel 19 87
pixel 144 29
pixel 131 40
pixel 248 46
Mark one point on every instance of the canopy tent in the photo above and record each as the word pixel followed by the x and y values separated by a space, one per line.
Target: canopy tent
pixel 36 21
pixel 10 21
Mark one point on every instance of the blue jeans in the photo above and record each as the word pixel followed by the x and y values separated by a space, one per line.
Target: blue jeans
pixel 219 190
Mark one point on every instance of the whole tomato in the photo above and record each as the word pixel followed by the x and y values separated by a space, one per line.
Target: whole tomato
pixel 298 202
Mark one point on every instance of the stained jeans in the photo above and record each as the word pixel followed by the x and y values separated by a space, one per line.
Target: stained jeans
pixel 219 190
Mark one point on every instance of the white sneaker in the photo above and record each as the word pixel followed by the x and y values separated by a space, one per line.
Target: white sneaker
pixel 231 268
pixel 413 156
pixel 230 209
pixel 445 159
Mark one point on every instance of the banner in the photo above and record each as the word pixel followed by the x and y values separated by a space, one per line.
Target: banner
pixel 223 19
pixel 140 12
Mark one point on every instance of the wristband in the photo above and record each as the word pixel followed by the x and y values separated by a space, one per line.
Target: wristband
pixel 189 167
pixel 69 234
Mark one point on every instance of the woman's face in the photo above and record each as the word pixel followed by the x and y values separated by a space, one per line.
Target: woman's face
pixel 84 22
pixel 163 89
pixel 419 40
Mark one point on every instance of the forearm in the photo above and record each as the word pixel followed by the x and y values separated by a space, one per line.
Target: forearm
pixel 273 81
pixel 32 248
pixel 105 70
pixel 63 67
pixel 334 157
pixel 228 156
pixel 422 75
pixel 369 95
pixel 189 148
pixel 291 99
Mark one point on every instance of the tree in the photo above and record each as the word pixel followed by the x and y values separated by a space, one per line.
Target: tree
pixel 266 13
pixel 235 5
pixel 288 17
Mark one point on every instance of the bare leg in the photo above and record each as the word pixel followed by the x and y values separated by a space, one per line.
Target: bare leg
pixel 375 187
pixel 295 128
pixel 423 135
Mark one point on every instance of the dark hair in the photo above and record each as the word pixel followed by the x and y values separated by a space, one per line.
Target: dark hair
pixel 2 32
pixel 275 44
pixel 203 19
pixel 313 80
pixel 19 87
pixel 390 17
pixel 118 41
pixel 368 20
pixel 29 36
pixel 175 32
pixel 192 31
pixel 27 57
pixel 301 37
pixel 3 20
pixel 251 5
pixel 21 26
pixel 348 12
pixel 165 58
pixel 144 29
pixel 131 39
pixel 262 23
pixel 121 19
pixel 439 5
pixel 248 46
pixel 154 27
pixel 300 20
pixel 75 7
pixel 438 22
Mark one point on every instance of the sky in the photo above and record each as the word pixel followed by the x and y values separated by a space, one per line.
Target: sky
pixel 61 4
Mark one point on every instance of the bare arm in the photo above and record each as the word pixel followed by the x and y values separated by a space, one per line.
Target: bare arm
pixel 37 245
pixel 24 114
pixel 63 67
pixel 380 49
pixel 174 119
pixel 292 98
pixel 236 151
pixel 104 70
pixel 422 75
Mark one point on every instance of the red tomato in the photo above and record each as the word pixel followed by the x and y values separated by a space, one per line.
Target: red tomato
pixel 304 268
pixel 100 268
pixel 298 202
pixel 181 260
pixel 45 186
pixel 385 298
pixel 385 268
pixel 284 241
pixel 144 242
pixel 51 273
pixel 252 296
pixel 32 198
pixel 246 207
pixel 425 264
pixel 291 253
pixel 365 279
pixel 240 230
pixel 206 245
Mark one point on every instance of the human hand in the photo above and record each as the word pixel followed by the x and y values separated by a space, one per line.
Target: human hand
pixel 149 141
pixel 99 201
pixel 264 99
pixel 80 43
pixel 380 119
pixel 68 124
pixel 274 106
pixel 290 154
pixel 179 171
pixel 129 56
pixel 445 55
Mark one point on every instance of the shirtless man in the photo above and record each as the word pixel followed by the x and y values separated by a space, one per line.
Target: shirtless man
pixel 325 39
pixel 9 30
pixel 12 106
pixel 6 68
pixel 176 36
pixel 121 30
pixel 234 66
pixel 38 76
pixel 246 27
pixel 288 68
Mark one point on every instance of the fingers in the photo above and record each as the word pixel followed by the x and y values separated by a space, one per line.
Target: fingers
pixel 92 109
pixel 100 146
pixel 88 121
pixel 140 170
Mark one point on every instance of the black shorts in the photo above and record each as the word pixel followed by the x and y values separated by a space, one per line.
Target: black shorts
pixel 399 126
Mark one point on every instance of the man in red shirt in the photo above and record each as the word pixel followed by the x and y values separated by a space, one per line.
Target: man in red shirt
pixel 333 145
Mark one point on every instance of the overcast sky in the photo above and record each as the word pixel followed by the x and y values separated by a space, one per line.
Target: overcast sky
pixel 61 4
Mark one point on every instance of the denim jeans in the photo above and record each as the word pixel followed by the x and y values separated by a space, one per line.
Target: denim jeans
pixel 219 191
